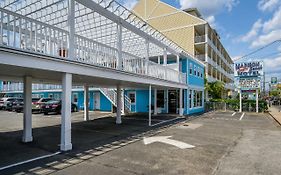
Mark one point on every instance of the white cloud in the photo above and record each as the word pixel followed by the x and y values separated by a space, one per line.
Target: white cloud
pixel 274 22
pixel 209 8
pixel 268 5
pixel 211 20
pixel 253 32
pixel 266 38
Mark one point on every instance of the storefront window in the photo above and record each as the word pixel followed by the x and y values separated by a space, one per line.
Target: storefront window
pixel 190 99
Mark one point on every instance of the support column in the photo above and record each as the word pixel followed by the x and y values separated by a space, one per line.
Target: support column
pixel 155 101
pixel 119 105
pixel 147 57
pixel 71 29
pixel 166 95
pixel 178 63
pixel 119 47
pixel 149 106
pixel 181 103
pixel 240 100
pixel 257 101
pixel 27 110
pixel 123 102
pixel 165 61
pixel 86 103
pixel 159 60
pixel 66 112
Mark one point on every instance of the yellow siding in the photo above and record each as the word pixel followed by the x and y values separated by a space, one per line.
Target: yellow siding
pixel 150 6
pixel 162 9
pixel 172 21
pixel 139 8
pixel 183 37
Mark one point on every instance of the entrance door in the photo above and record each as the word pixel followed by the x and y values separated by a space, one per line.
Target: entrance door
pixel 173 101
pixel 97 101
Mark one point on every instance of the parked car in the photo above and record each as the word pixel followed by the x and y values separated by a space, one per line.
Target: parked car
pixel 18 104
pixel 5 101
pixel 12 103
pixel 37 104
pixel 54 106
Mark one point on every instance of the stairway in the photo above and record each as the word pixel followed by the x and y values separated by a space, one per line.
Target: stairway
pixel 111 95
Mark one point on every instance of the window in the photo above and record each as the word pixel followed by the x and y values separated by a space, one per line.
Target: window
pixel 190 68
pixel 132 96
pixel 198 72
pixel 197 99
pixel 194 70
pixel 202 73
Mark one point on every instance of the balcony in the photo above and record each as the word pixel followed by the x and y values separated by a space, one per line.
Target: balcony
pixel 200 39
pixel 201 57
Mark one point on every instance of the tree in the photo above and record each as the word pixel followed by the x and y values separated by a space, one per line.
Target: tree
pixel 215 89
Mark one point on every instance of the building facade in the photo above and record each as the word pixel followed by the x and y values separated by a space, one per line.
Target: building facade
pixel 191 32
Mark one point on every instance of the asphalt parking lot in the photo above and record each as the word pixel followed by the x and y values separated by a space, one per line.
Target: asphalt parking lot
pixel 224 143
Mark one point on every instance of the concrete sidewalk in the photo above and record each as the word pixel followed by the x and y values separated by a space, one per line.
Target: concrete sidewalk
pixel 275 113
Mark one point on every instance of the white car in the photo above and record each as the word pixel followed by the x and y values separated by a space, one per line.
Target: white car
pixel 4 101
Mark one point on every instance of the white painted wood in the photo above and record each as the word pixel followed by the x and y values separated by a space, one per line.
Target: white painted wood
pixel 257 101
pixel 155 102
pixel 119 105
pixel 181 103
pixel 71 28
pixel 86 103
pixel 27 110
pixel 149 106
pixel 119 47
pixel 66 112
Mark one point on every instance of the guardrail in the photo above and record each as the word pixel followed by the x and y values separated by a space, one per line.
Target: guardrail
pixel 23 33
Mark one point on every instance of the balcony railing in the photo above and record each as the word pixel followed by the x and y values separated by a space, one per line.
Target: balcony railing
pixel 26 34
pixel 201 57
pixel 200 39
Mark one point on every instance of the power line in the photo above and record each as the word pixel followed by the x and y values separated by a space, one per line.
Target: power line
pixel 259 49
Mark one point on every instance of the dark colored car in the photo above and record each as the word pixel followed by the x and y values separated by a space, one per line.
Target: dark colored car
pixel 55 107
pixel 18 104
pixel 37 104
pixel 11 103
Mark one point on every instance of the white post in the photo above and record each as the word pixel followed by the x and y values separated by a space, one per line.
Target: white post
pixel 71 29
pixel 159 60
pixel 149 106
pixel 119 105
pixel 147 57
pixel 257 100
pixel 167 100
pixel 123 102
pixel 155 101
pixel 119 47
pixel 178 63
pixel 181 103
pixel 66 112
pixel 240 97
pixel 27 110
pixel 86 103
pixel 165 61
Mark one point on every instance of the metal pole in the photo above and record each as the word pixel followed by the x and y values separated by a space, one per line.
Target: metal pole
pixel 149 106
pixel 240 97
pixel 257 100
pixel 155 101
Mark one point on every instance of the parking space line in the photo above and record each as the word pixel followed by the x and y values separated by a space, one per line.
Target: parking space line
pixel 28 161
pixel 242 116
pixel 233 113
pixel 167 121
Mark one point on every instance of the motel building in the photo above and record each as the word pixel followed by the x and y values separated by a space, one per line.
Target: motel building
pixel 96 54
pixel 189 30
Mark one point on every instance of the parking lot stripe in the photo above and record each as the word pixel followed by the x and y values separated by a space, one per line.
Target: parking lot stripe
pixel 28 161
pixel 242 116
pixel 167 121
pixel 233 113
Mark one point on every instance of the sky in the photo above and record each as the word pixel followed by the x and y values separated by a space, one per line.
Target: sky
pixel 243 25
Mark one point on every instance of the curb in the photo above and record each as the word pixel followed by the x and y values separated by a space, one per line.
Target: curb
pixel 274 118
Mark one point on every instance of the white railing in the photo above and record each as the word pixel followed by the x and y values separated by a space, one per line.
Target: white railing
pixel 111 95
pixel 26 34
pixel 200 39
pixel 201 57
